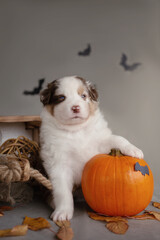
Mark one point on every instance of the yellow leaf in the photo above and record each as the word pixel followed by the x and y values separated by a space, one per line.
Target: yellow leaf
pixel 65 233
pixel 118 227
pixel 106 218
pixel 36 223
pixel 143 216
pixel 19 230
pixel 156 204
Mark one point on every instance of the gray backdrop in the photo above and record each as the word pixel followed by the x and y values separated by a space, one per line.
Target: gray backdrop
pixel 42 38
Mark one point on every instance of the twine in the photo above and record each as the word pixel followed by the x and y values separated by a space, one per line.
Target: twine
pixel 10 170
pixel 16 158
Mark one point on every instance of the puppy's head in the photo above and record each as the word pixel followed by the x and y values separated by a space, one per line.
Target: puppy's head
pixel 71 100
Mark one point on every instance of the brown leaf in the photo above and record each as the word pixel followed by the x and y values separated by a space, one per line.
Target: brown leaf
pixel 118 227
pixel 155 214
pixel 19 230
pixel 156 204
pixel 63 223
pixel 143 216
pixel 106 218
pixel 65 233
pixel 5 208
pixel 1 214
pixel 36 223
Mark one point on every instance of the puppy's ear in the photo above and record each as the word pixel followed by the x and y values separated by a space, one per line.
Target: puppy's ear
pixel 92 92
pixel 47 94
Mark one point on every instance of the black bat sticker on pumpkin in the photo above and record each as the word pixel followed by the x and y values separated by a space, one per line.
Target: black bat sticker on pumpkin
pixel 35 90
pixel 126 66
pixel 85 52
pixel 143 169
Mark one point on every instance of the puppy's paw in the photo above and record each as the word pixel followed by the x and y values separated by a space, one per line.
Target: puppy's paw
pixel 131 150
pixel 62 214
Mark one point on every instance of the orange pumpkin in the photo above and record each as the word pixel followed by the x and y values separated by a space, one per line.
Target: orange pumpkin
pixel 117 185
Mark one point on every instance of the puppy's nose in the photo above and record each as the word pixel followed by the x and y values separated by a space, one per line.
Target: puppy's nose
pixel 76 108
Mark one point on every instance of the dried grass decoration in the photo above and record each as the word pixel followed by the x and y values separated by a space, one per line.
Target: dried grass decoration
pixel 22 148
pixel 19 161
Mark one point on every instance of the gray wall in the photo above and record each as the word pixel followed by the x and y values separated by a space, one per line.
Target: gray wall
pixel 41 38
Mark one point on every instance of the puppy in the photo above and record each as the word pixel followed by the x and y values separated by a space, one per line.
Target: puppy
pixel 73 130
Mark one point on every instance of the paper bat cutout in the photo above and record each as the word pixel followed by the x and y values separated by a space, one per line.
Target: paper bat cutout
pixel 85 52
pixel 35 90
pixel 126 66
pixel 143 169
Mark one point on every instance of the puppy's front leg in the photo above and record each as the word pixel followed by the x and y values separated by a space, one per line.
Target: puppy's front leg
pixel 125 146
pixel 63 198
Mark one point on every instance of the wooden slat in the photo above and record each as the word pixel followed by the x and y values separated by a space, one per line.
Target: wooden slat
pixel 11 119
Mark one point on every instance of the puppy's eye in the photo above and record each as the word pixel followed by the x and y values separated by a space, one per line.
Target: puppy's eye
pixel 61 98
pixel 83 96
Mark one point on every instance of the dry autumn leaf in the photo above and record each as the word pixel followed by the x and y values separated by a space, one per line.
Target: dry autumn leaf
pixel 65 233
pixel 144 216
pixel 36 223
pixel 1 214
pixel 19 230
pixel 106 218
pixel 155 214
pixel 117 227
pixel 156 204
pixel 63 223
pixel 5 208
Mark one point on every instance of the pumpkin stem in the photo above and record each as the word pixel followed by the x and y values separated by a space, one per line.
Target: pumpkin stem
pixel 116 152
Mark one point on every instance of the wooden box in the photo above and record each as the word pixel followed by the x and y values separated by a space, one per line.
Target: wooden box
pixel 14 126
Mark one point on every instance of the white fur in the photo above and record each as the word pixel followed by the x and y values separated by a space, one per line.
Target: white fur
pixel 67 144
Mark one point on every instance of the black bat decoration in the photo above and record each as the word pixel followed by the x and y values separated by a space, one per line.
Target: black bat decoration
pixel 85 52
pixel 143 169
pixel 126 66
pixel 35 90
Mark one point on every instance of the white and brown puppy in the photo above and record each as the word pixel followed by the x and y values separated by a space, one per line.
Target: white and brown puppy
pixel 73 130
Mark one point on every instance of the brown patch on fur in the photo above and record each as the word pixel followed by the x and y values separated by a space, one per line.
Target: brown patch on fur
pixel 93 94
pixel 92 107
pixel 50 109
pixel 47 95
pixel 81 90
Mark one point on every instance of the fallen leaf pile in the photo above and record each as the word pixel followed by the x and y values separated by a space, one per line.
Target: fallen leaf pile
pixel 64 233
pixel 116 225
pixel 119 225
